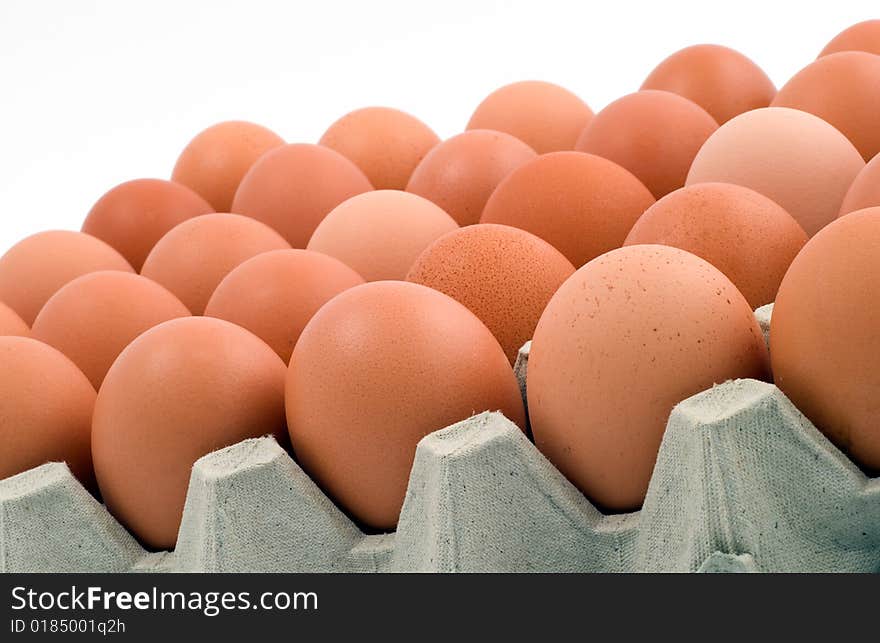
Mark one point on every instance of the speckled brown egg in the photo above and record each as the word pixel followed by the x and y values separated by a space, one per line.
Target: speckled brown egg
pixel 193 258
pixel 863 36
pixel 748 237
pixel 504 275
pixel 379 234
pixel 790 156
pixel 134 215
pixel 547 117
pixel 292 188
pixel 94 317
pixel 386 144
pixel 376 369
pixel 864 192
pixel 844 90
pixel 626 338
pixel 182 389
pixel 721 80
pixel 36 267
pixel 276 293
pixel 581 204
pixel 823 334
pixel 653 134
pixel 214 162
pixel 460 173
pixel 45 410
pixel 11 323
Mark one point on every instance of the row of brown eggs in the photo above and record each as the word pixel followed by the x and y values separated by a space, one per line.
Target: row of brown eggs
pixel 631 245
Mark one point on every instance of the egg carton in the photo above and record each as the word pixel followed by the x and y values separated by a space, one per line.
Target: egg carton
pixel 743 483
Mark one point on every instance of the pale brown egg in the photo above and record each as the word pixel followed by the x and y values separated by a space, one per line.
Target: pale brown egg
pixel 11 323
pixel 292 188
pixel 863 36
pixel 376 369
pixel 36 267
pixel 547 117
pixel 581 204
pixel 94 317
pixel 45 410
pixel 379 234
pixel 461 173
pixel 214 162
pixel 386 144
pixel 134 215
pixel 748 237
pixel 653 134
pixel 844 90
pixel 823 334
pixel 721 80
pixel 181 390
pixel 626 338
pixel 864 192
pixel 793 157
pixel 276 293
pixel 504 275
pixel 193 258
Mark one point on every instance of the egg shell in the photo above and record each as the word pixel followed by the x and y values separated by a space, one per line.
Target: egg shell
pixel 386 144
pixel 626 338
pixel 748 237
pixel 36 267
pixel 547 117
pixel 844 90
pixel 461 173
pixel 292 188
pixel 581 204
pixel 788 155
pixel 376 369
pixel 653 134
pixel 276 293
pixel 45 410
pixel 863 36
pixel 11 323
pixel 721 80
pixel 380 234
pixel 193 258
pixel 823 333
pixel 182 389
pixel 214 162
pixel 864 192
pixel 94 317
pixel 504 275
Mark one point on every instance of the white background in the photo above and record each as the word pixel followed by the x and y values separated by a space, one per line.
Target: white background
pixel 93 93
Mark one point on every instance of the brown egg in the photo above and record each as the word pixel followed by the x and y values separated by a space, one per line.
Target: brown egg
pixel 460 173
pixel 825 353
pixel 275 294
pixel 181 390
pixel 214 162
pixel 547 117
pixel 376 369
pixel 720 80
pixel 11 323
pixel 36 267
pixel 793 157
pixel 626 338
pixel 581 204
pixel 192 259
pixel 386 144
pixel 293 187
pixel 92 318
pixel 45 410
pixel 134 215
pixel 653 134
pixel 844 90
pixel 504 275
pixel 379 234
pixel 748 237
pixel 864 36
pixel 864 192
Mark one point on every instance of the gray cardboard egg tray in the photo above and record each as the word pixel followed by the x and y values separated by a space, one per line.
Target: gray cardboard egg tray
pixel 743 483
